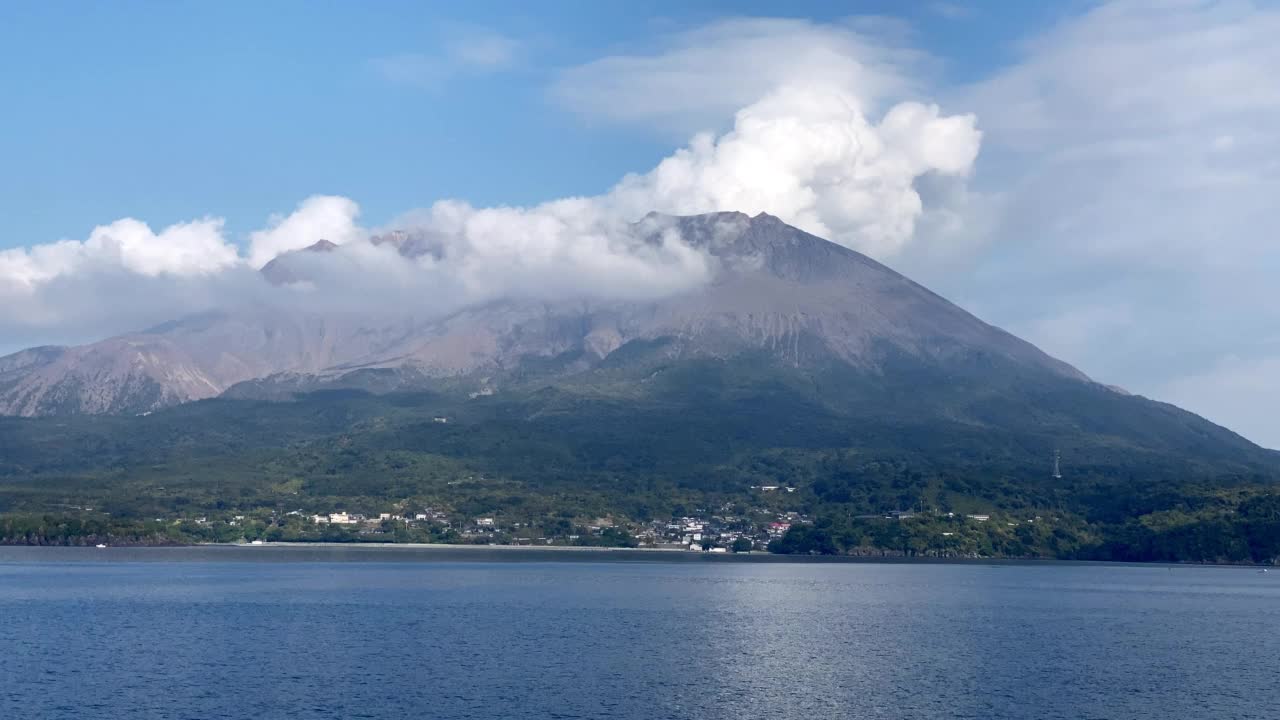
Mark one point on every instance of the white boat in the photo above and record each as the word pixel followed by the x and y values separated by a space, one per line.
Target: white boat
pixel 100 545
pixel 256 542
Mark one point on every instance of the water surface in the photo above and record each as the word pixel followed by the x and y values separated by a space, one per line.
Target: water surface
pixel 266 632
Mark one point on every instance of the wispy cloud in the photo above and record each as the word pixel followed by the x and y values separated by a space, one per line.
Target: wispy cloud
pixel 696 79
pixel 482 49
pixel 459 50
pixel 1132 151
pixel 952 10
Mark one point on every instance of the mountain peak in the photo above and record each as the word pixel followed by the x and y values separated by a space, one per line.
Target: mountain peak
pixel 278 272
pixel 320 245
pixel 764 242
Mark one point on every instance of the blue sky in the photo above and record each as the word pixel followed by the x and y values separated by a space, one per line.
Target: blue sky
pixel 172 110
pixel 1095 176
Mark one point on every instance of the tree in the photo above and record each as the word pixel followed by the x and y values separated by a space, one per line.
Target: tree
pixel 804 540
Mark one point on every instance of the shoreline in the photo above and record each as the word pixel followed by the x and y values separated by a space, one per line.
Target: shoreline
pixel 498 554
pixel 452 546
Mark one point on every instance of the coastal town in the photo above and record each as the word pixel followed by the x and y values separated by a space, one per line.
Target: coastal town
pixel 730 528
pixel 719 532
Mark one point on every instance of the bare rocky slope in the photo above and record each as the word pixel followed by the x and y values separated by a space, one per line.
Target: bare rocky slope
pixel 778 292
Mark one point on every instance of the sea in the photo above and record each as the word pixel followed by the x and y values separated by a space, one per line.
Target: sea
pixel 271 632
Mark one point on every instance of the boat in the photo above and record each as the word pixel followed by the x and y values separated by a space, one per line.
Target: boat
pixel 100 545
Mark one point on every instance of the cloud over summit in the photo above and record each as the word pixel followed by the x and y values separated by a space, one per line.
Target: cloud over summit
pixel 812 141
pixel 320 217
pixel 808 155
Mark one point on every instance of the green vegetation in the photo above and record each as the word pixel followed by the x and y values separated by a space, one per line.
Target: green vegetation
pixel 1229 527
pixel 1141 480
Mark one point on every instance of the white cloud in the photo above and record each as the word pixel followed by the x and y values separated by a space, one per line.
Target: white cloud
pixel 319 217
pixel 816 137
pixel 183 250
pixel 804 151
pixel 576 246
pixel 809 143
pixel 123 277
pixel 807 154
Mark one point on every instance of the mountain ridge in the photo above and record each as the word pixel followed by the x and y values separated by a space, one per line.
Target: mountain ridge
pixel 786 295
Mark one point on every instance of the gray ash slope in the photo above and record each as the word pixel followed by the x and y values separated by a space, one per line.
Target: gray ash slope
pixel 785 310
pixel 778 292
